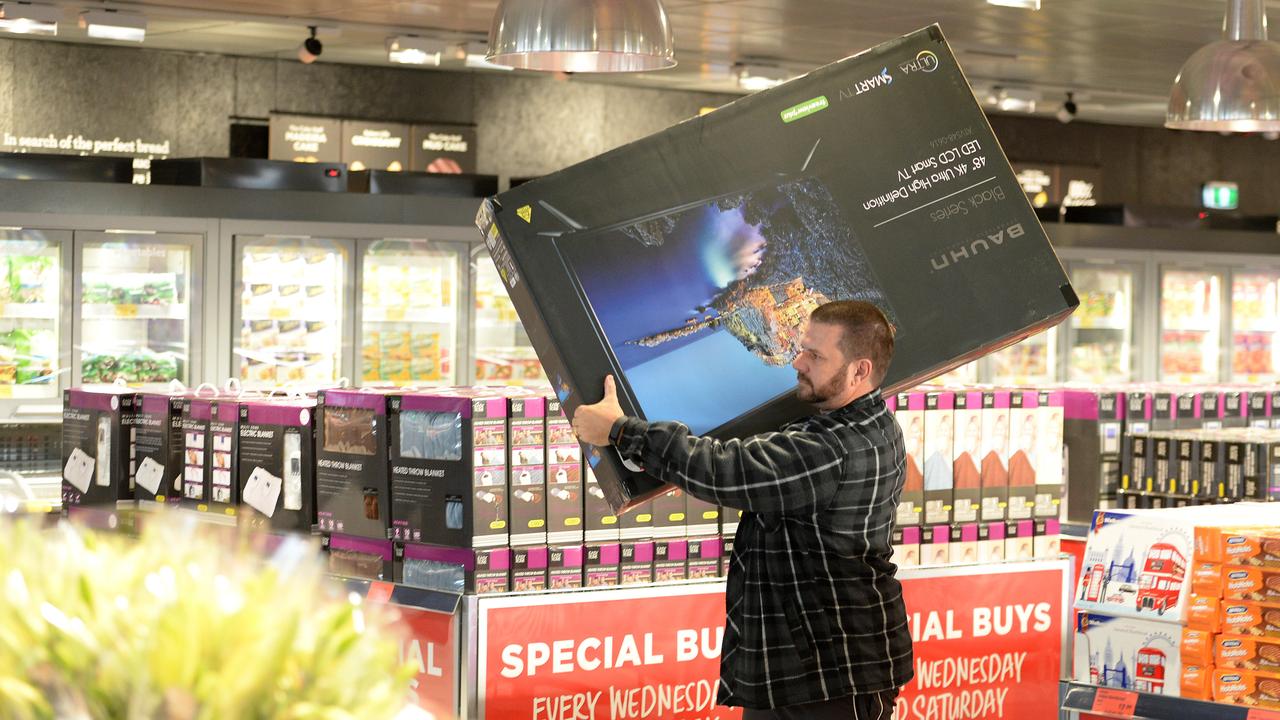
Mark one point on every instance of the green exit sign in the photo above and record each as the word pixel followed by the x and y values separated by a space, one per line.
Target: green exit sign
pixel 1220 195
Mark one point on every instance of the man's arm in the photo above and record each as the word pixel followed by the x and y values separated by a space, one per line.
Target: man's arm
pixel 783 472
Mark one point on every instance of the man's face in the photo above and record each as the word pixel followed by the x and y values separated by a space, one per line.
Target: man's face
pixel 822 371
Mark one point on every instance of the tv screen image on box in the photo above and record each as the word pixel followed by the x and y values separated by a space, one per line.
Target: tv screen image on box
pixel 725 285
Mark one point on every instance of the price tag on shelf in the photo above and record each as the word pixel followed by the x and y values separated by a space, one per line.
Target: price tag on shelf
pixel 1259 714
pixel 127 311
pixel 278 313
pixel 379 591
pixel 6 391
pixel 395 314
pixel 1117 703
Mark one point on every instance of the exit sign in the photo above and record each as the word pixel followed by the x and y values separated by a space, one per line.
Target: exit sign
pixel 1220 195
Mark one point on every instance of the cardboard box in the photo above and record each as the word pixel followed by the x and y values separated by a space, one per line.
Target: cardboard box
pixel 1197 646
pixel 1274 407
pixel 701 517
pixel 966 471
pixel 601 567
pixel 588 251
pixel 528 448
pixel 1165 414
pixel 995 455
pixel 906 546
pixel 670 560
pixel 1241 545
pixel 1260 409
pixel 97 446
pixel 453 569
pixel 636 562
pixel 1247 687
pixel 196 413
pixel 1212 469
pixel 1164 452
pixel 964 544
pixel 1247 617
pixel 599 522
pixel 1189 465
pixel 1093 429
pixel 991 542
pixel 564 567
pixel 939 457
pixel 1212 409
pixel 1197 682
pixel 729 519
pixel 1049 473
pixel 1189 413
pixel 1019 542
pixel 222 487
pixel 431 448
pixel 727 560
pixel 493 571
pixel 1047 538
pixel 353 481
pixel 1249 583
pixel 359 557
pixel 910 416
pixel 705 556
pixel 565 488
pixel 1206 578
pixel 1247 652
pixel 669 516
pixel 275 462
pixel 159 448
pixel 529 569
pixel 637 522
pixel 935 549
pixel 1024 446
pixel 1128 653
pixel 1235 408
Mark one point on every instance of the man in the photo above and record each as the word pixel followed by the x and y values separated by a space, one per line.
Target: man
pixel 816 627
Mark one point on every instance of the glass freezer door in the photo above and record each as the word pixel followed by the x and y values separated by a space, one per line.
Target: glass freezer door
pixel 292 313
pixel 1101 347
pixel 1033 361
pixel 501 351
pixel 1190 326
pixel 135 297
pixel 31 357
pixel 965 375
pixel 408 314
pixel 1255 326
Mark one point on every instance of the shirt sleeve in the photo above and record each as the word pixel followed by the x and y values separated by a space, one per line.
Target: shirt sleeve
pixel 793 471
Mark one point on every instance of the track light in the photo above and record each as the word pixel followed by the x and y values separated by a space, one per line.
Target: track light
pixel 23 18
pixel 759 77
pixel 311 48
pixel 1067 112
pixel 114 25
pixel 414 50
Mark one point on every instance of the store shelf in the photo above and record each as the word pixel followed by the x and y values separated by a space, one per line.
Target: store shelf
pixel 438 316
pixel 28 311
pixel 134 312
pixel 30 391
pixel 405 595
pixel 1261 329
pixel 286 314
pixel 1082 698
pixel 1106 323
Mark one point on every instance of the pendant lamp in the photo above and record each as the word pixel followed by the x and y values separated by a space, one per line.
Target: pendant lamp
pixel 594 36
pixel 1232 85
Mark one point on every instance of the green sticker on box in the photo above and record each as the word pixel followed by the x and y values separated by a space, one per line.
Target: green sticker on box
pixel 804 109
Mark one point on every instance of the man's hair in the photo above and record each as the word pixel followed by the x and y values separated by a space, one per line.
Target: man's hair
pixel 866 333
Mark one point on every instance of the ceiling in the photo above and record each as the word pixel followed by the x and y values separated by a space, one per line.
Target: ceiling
pixel 1119 57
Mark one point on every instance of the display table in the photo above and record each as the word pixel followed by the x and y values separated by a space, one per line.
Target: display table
pixel 991 641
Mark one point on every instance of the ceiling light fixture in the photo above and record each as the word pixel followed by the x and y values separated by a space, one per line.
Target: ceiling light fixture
pixel 23 18
pixel 1016 99
pixel 1020 4
pixel 114 25
pixel 1067 112
pixel 582 36
pixel 1233 84
pixel 310 49
pixel 753 78
pixel 474 55
pixel 414 50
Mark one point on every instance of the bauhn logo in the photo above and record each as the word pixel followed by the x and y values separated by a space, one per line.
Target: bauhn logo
pixel 977 247
pixel 925 61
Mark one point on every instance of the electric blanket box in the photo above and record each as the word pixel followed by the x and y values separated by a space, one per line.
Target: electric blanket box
pixel 564 567
pixel 493 571
pixel 564 479
pixel 669 514
pixel 995 455
pixel 636 562
pixel 1093 427
pixel 701 517
pixel 1127 653
pixel 670 560
pixel 600 566
pixel 222 491
pixel 705 555
pixel 1049 474
pixel 910 414
pixel 529 569
pixel 353 487
pixel 966 470
pixel 599 522
pixel 359 557
pixel 939 457
pixel 527 443
pixel 97 446
pixel 276 464
pixel 159 454
pixel 685 264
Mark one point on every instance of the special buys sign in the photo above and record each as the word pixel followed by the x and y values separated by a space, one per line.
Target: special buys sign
pixel 654 652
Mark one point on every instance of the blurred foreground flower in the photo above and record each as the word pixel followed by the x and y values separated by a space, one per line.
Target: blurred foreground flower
pixel 185 624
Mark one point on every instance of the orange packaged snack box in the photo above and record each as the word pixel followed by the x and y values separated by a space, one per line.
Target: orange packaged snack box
pixel 1248 545
pixel 1197 647
pixel 1247 687
pixel 1204 613
pixel 1206 578
pixel 1247 652
pixel 1245 617
pixel 1251 583
pixel 1197 682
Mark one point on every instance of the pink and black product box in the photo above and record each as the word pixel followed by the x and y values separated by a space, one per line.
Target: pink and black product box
pixel 456 570
pixel 159 454
pixel 991 545
pixel 910 413
pixel 637 523
pixel 565 566
pixel 599 522
pixel 529 568
pixel 995 455
pixel 1049 464
pixel 1093 429
pixel 635 565
pixel 360 557
pixel 1019 540
pixel 669 514
pixel 1024 446
pixel 966 469
pixel 528 452
pixel 939 456
pixel 935 545
pixel 705 557
pixel 97 446
pixel 601 565
pixel 1188 411
pixel 1260 409
pixel 353 481
pixel 209 439
pixel 275 459
pixel 670 560
pixel 1235 408
pixel 906 546
pixel 1138 416
pixel 448 468
pixel 701 517
pixel 565 489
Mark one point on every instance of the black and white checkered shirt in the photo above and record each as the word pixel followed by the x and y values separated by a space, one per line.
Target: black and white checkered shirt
pixel 814 610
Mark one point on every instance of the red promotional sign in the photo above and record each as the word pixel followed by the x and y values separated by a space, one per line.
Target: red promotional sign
pixel 988 644
pixel 431 646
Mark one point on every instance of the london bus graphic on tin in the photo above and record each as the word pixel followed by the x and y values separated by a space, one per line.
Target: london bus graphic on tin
pixel 1163 573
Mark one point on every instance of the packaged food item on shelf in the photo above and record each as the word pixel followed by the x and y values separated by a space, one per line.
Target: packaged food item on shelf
pixel 1197 646
pixel 1128 653
pixel 1247 652
pixel 1249 583
pixel 1243 544
pixel 97 446
pixel 1197 682
pixel 1254 688
pixel 30 278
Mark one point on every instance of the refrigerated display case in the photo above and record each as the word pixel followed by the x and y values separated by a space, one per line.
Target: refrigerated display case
pixel 1255 326
pixel 292 315
pixel 137 302
pixel 1034 361
pixel 409 313
pixel 501 351
pixel 32 347
pixel 1101 345
pixel 1190 325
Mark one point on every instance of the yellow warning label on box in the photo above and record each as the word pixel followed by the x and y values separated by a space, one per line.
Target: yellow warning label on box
pixel 525 213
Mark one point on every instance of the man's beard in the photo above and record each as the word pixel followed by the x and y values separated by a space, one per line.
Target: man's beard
pixel 806 392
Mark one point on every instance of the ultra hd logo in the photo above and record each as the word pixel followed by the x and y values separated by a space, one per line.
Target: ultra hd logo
pixel 925 61
pixel 880 80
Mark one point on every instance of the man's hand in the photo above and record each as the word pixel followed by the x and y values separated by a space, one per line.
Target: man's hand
pixel 592 423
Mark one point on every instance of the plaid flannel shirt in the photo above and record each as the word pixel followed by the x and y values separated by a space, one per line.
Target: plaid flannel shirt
pixel 814 611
